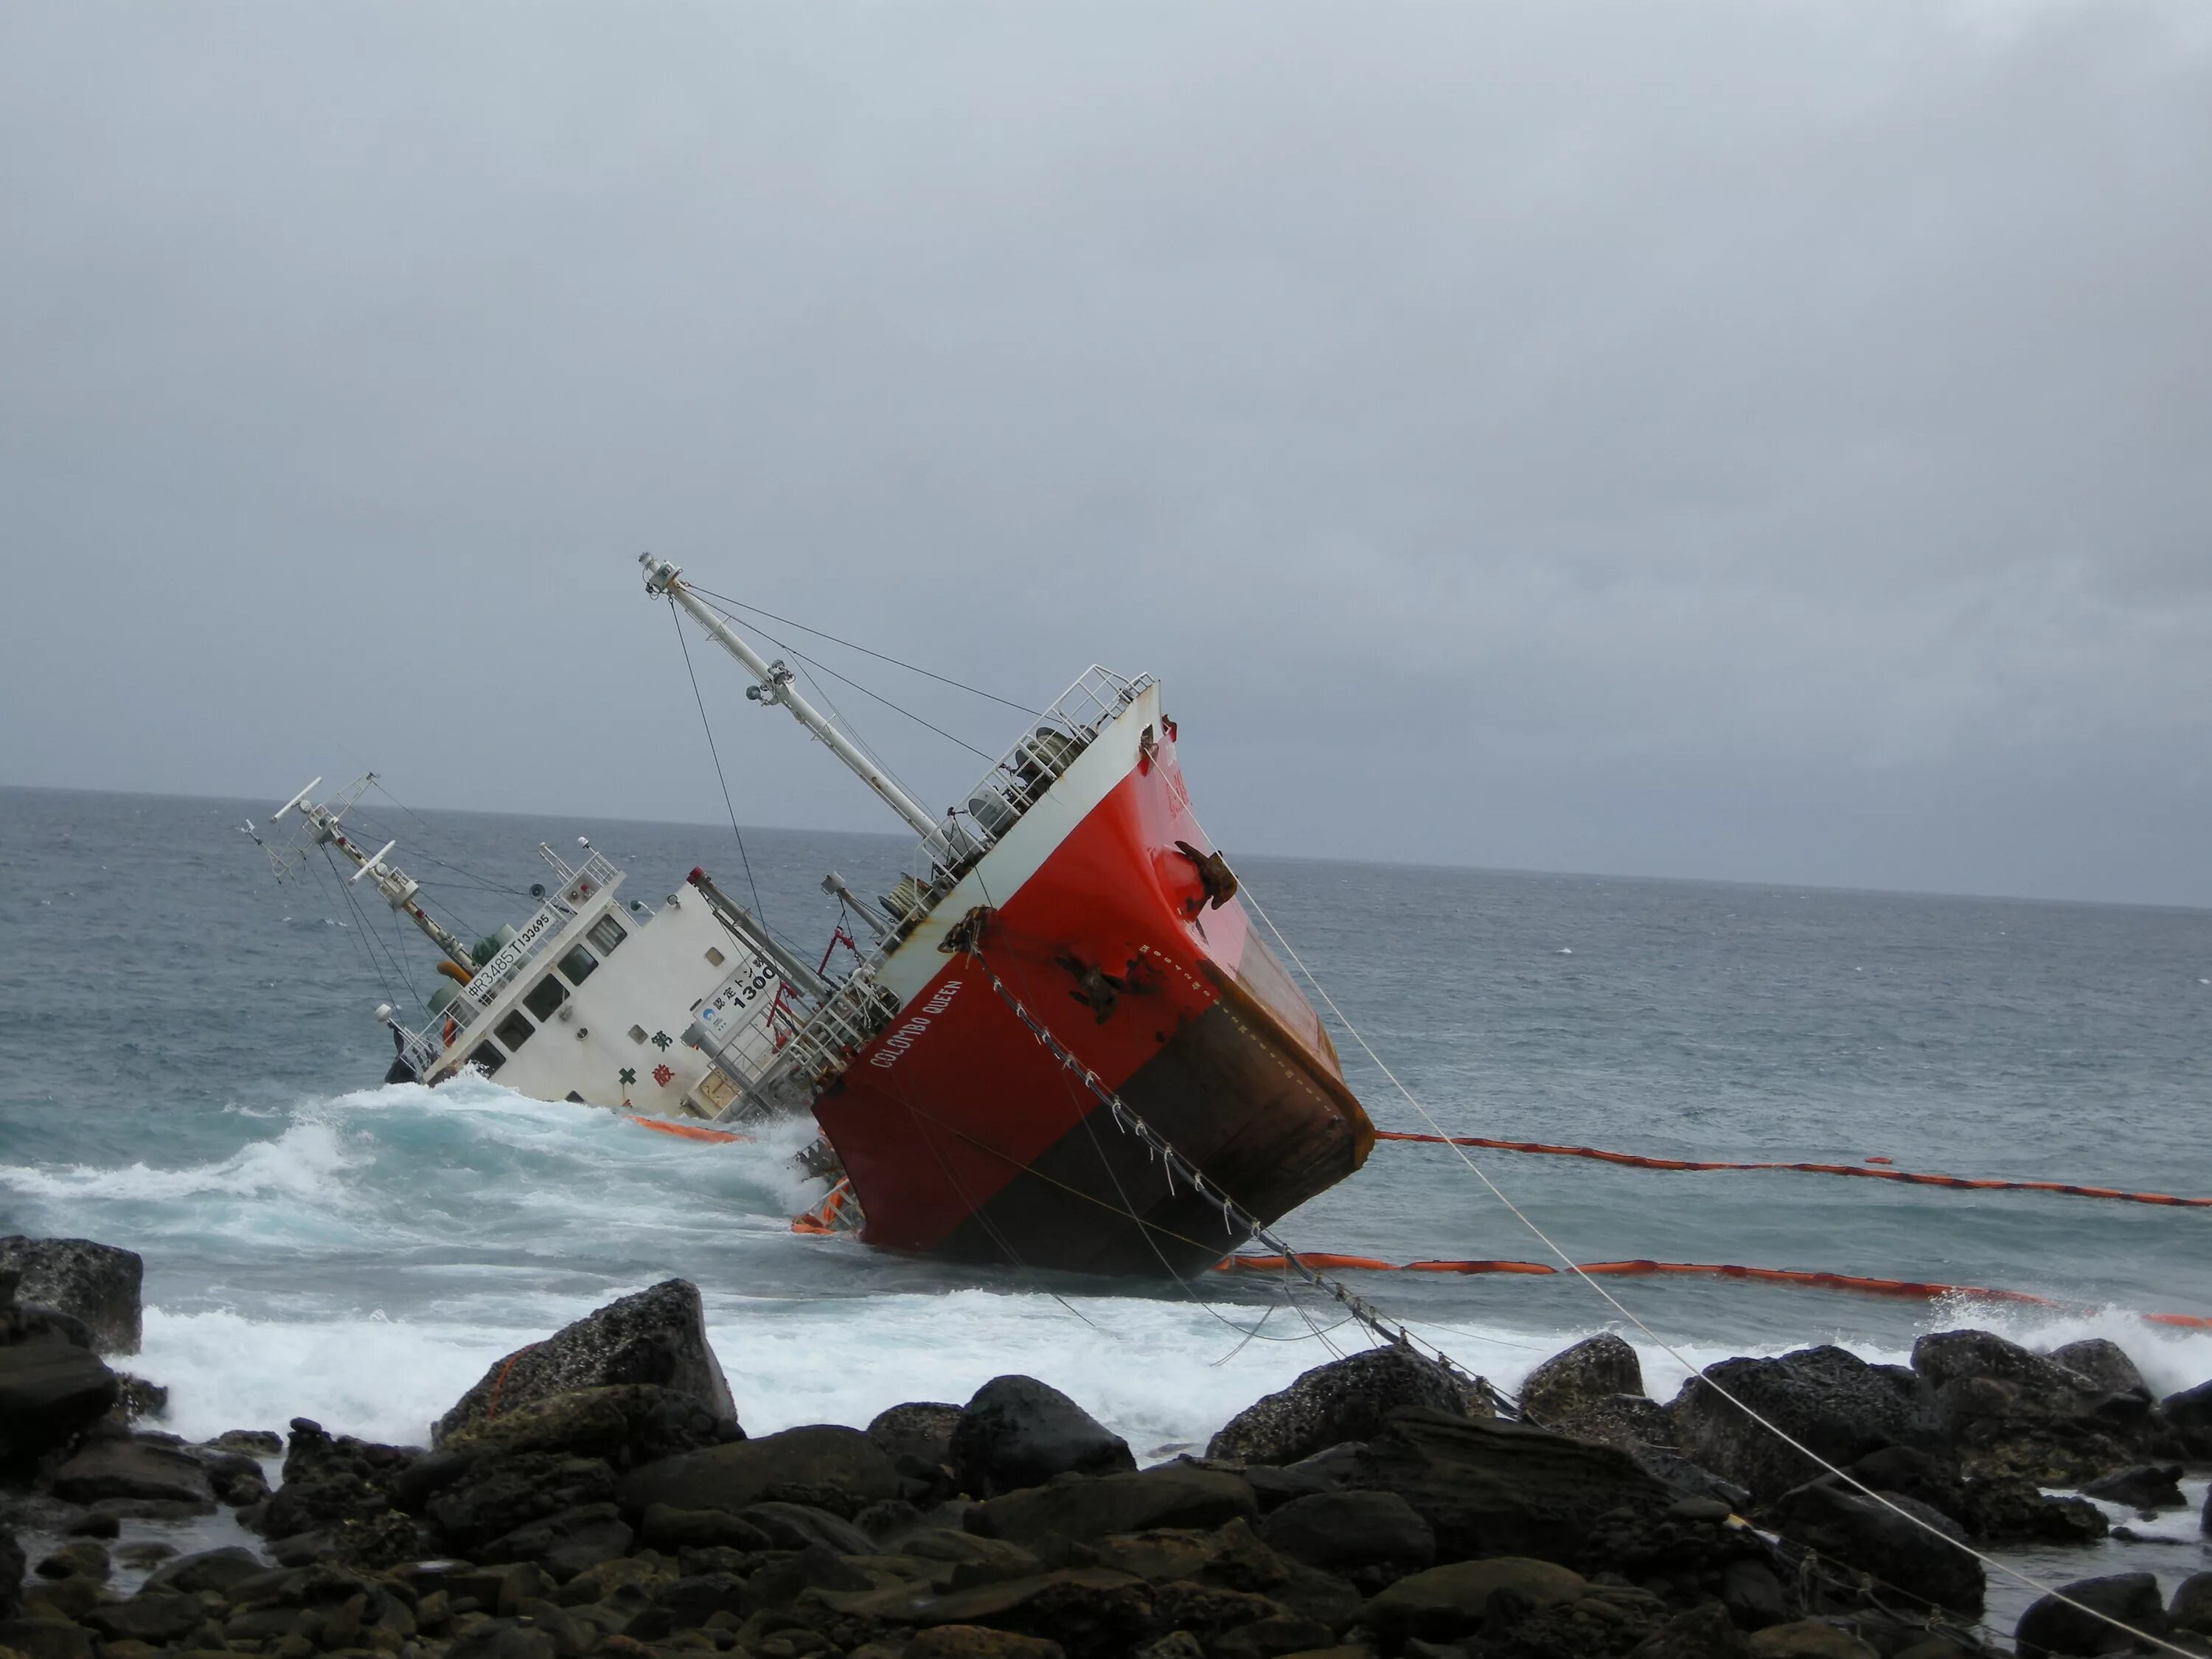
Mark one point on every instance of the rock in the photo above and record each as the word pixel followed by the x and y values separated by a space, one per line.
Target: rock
pixel 2105 1364
pixel 1345 1400
pixel 1808 1638
pixel 978 1642
pixel 132 1468
pixel 1945 1355
pixel 1017 1432
pixel 1826 1398
pixel 1493 1488
pixel 625 1423
pixel 2011 1508
pixel 1174 1495
pixel 1703 1633
pixel 666 1528
pixel 1580 1376
pixel 657 1336
pixel 733 1477
pixel 501 1638
pixel 254 1442
pixel 1445 1603
pixel 1845 1526
pixel 51 1392
pixel 140 1401
pixel 158 1620
pixel 11 1575
pixel 1090 1611
pixel 2050 1626
pixel 2190 1609
pixel 794 1526
pixel 564 1544
pixel 236 1479
pixel 499 1495
pixel 207 1570
pixel 2011 1411
pixel 2190 1412
pixel 919 1429
pixel 45 1638
pixel 97 1284
pixel 1340 1531
pixel 83 1560
pixel 1753 1595
pixel 1629 1421
pixel 2143 1487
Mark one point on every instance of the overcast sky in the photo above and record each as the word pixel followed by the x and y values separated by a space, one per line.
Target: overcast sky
pixel 1761 441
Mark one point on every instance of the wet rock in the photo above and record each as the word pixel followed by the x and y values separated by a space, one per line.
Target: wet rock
pixel 500 1638
pixel 920 1428
pixel 626 1423
pixel 1345 1400
pixel 2190 1412
pixel 1930 1477
pixel 2043 1384
pixel 1808 1638
pixel 1629 1421
pixel 2105 1364
pixel 207 1570
pixel 46 1638
pixel 667 1529
pixel 795 1526
pixel 657 1336
pixel 51 1392
pixel 236 1478
pixel 157 1620
pixel 1174 1495
pixel 980 1642
pixel 2191 1610
pixel 1580 1376
pixel 97 1284
pixel 2143 1487
pixel 2011 1411
pixel 1017 1432
pixel 1826 1398
pixel 1446 1603
pixel 1754 1594
pixel 11 1574
pixel 1494 1488
pixel 1703 1633
pixel 253 1443
pixel 733 1477
pixel 565 1543
pixel 1341 1531
pixel 83 1559
pixel 132 1468
pixel 1090 1611
pixel 2013 1510
pixel 1907 1549
pixel 500 1495
pixel 2050 1626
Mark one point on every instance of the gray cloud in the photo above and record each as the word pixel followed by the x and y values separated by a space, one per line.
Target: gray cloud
pixel 1692 438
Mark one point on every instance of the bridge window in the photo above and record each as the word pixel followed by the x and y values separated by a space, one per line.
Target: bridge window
pixel 545 996
pixel 488 1058
pixel 607 932
pixel 578 964
pixel 514 1031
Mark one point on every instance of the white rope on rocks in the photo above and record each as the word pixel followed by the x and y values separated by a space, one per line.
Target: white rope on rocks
pixel 1244 892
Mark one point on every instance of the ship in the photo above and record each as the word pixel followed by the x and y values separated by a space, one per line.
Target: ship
pixel 1058 1043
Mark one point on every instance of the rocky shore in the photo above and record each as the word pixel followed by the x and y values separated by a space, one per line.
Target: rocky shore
pixel 595 1494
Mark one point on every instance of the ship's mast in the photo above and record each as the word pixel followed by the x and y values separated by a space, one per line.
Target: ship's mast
pixel 397 887
pixel 773 685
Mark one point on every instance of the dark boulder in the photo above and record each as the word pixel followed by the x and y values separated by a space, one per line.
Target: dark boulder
pixel 1920 1551
pixel 158 1619
pixel 2191 1610
pixel 98 1283
pixel 1580 1376
pixel 46 1638
pixel 11 1575
pixel 1345 1400
pixel 795 1526
pixel 51 1392
pixel 565 1543
pixel 499 1495
pixel 669 1529
pixel 2103 1364
pixel 2190 1413
pixel 1705 1631
pixel 1827 1399
pixel 1448 1603
pixel 1931 1477
pixel 1493 1488
pixel 818 1458
pixel 1629 1421
pixel 1017 1432
pixel 1091 1611
pixel 920 1428
pixel 132 1468
pixel 1173 1495
pixel 2049 1626
pixel 208 1569
pixel 2011 1411
pixel 2010 1508
pixel 625 1423
pixel 657 1336
pixel 2141 1487
pixel 1341 1531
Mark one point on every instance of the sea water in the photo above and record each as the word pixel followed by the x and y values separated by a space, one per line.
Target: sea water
pixel 189 1066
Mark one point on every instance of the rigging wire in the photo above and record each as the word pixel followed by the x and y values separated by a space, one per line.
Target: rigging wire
pixel 1668 1348
pixel 759 909
pixel 912 668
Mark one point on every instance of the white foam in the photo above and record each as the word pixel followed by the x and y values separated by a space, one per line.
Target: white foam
pixel 303 1161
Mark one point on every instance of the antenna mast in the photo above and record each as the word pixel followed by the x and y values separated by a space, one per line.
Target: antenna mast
pixel 397 887
pixel 773 686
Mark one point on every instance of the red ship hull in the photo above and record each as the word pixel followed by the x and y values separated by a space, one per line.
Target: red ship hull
pixel 964 1136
